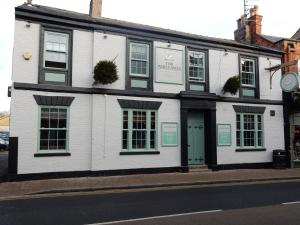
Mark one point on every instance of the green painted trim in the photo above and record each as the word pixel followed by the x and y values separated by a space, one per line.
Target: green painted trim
pixel 255 130
pixel 136 83
pixel 163 144
pixel 197 87
pixel 147 152
pixel 39 151
pixel 183 66
pixel 148 129
pixel 218 141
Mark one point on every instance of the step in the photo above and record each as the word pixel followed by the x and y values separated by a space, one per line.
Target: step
pixel 198 168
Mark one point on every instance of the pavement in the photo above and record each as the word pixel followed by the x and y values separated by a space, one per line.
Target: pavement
pixel 87 184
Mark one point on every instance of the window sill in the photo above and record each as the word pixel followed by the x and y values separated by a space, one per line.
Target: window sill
pixel 52 154
pixel 140 153
pixel 251 150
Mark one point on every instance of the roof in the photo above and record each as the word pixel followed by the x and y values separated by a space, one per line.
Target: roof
pixel 80 19
pixel 296 35
pixel 270 38
pixel 4 121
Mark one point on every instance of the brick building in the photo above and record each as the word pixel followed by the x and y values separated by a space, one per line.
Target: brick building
pixel 249 31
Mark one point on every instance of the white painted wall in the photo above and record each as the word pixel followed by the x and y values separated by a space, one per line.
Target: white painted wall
pixel 222 67
pixel 24 125
pixel 107 136
pixel 26 39
pixel 94 135
pixel 273 135
pixel 91 47
pixel 110 47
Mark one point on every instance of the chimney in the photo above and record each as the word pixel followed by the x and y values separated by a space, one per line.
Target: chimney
pixel 254 23
pixel 248 27
pixel 95 8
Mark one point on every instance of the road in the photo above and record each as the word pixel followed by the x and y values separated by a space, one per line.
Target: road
pixel 228 205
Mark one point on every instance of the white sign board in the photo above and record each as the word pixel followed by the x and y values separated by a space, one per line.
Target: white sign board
pixel 169 65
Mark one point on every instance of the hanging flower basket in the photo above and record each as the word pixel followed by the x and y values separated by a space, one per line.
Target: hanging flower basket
pixel 105 72
pixel 232 85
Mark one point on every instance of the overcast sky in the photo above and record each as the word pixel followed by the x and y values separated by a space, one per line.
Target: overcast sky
pixel 215 18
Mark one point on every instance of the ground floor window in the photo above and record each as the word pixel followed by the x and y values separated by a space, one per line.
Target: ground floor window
pixel 139 130
pixel 53 129
pixel 249 130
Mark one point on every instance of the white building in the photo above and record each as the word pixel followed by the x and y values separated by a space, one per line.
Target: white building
pixel 165 112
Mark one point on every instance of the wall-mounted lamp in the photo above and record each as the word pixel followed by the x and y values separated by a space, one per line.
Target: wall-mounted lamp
pixel 169 44
pixel 28 24
pixel 104 35
pixel 225 51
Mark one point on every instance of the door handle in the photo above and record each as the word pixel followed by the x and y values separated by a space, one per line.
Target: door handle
pixel 189 145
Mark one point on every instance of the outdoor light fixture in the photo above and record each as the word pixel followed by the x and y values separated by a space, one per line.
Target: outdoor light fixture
pixel 104 35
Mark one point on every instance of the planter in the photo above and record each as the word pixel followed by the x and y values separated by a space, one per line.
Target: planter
pixel 232 85
pixel 105 72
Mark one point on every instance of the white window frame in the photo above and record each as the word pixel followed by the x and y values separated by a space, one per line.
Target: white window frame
pixel 67 131
pixel 147 61
pixel 253 73
pixel 203 67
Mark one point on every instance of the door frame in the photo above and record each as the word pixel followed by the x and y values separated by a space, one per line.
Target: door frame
pixel 208 108
pixel 192 115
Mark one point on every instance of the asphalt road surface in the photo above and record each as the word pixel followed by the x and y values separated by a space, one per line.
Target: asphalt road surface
pixel 228 205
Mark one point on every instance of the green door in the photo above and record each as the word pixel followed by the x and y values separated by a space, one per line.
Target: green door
pixel 196 139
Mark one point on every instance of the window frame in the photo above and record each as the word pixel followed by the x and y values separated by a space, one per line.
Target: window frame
pixel 256 131
pixel 54 151
pixel 206 70
pixel 138 77
pixel 148 131
pixel 254 87
pixel 43 69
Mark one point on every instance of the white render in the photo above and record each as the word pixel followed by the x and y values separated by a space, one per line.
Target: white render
pixel 272 140
pixel 95 122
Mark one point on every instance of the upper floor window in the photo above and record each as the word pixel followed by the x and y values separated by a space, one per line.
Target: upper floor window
pixel 196 71
pixel 55 66
pixel 139 64
pixel 248 71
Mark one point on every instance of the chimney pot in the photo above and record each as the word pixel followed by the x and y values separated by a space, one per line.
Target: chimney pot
pixel 96 8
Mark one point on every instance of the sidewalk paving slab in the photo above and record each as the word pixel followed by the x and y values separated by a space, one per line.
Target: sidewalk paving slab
pixel 144 181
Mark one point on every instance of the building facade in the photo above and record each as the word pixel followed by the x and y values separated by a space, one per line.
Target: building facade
pixel 249 30
pixel 166 111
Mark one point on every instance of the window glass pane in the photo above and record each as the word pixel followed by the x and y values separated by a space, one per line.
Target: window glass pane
pixel 56 50
pixel 125 120
pixel 55 77
pixel 152 139
pixel 196 66
pixel 248 72
pixel 125 139
pixel 238 138
pixel 152 120
pixel 44 134
pixel 61 144
pixel 139 59
pixel 55 137
pixel 44 144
